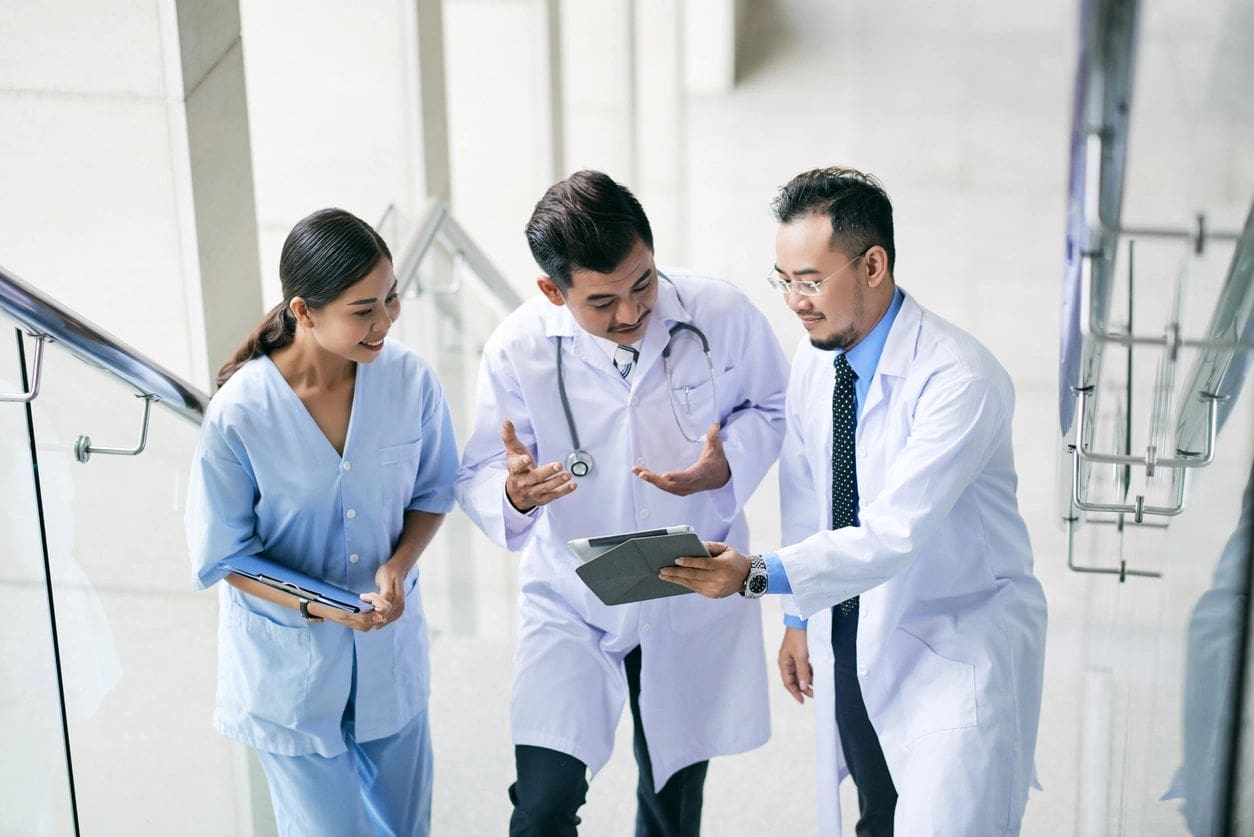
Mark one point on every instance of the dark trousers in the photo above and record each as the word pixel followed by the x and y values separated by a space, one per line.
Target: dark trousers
pixel 861 746
pixel 551 786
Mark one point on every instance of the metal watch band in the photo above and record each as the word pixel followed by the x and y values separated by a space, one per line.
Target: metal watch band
pixel 755 582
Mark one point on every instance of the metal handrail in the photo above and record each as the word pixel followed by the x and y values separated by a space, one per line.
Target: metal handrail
pixel 438 224
pixel 1099 134
pixel 49 321
pixel 41 315
pixel 1220 368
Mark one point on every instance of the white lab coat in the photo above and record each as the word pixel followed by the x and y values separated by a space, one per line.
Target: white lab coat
pixel 703 680
pixel 951 631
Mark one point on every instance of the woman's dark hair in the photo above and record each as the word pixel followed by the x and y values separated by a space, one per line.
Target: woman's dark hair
pixel 855 202
pixel 324 254
pixel 585 222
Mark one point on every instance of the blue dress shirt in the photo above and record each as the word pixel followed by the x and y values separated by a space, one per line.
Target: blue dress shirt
pixel 863 357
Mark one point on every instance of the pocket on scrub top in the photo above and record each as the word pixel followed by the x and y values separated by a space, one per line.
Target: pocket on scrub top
pixel 944 688
pixel 398 469
pixel 265 665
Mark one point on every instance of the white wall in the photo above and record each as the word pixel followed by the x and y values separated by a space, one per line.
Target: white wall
pixel 108 122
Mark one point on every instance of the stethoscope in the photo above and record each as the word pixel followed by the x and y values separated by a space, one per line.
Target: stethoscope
pixel 579 463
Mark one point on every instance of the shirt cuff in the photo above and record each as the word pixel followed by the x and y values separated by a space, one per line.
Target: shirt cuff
pixel 516 522
pixel 777 582
pixel 776 577
pixel 791 621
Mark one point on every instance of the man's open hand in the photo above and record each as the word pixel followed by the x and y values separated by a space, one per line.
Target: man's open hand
pixel 527 486
pixel 710 471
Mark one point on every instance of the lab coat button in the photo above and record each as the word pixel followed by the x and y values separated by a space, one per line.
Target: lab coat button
pixel 351 513
pixel 640 461
pixel 635 399
pixel 354 558
pixel 644 513
pixel 862 671
pixel 644 629
pixel 862 451
pixel 346 465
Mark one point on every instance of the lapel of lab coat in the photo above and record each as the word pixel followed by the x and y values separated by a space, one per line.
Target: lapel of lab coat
pixel 668 310
pixel 895 359
pixel 577 344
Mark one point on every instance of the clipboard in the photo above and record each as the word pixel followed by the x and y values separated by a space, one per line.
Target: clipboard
pixel 274 574
pixel 623 568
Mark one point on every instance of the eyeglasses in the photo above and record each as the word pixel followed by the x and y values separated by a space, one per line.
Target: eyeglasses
pixel 785 286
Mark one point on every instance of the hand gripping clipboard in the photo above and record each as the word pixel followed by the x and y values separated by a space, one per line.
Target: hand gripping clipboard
pixel 274 574
pixel 623 568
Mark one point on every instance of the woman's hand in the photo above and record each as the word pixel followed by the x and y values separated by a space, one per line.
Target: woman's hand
pixel 388 604
pixel 367 621
pixel 390 600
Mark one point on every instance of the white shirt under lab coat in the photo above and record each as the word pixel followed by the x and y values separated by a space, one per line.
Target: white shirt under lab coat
pixel 951 630
pixel 703 680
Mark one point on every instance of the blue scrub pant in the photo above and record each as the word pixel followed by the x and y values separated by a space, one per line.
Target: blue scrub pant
pixel 380 788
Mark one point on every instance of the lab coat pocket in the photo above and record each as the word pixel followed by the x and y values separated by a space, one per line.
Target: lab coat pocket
pixel 398 469
pixel 697 401
pixel 264 666
pixel 935 692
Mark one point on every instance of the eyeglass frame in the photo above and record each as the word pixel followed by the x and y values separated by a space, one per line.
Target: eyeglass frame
pixel 786 286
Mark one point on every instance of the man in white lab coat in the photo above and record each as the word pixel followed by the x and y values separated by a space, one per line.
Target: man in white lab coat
pixel 905 549
pixel 601 412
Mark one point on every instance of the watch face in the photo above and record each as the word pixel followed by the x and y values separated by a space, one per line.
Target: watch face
pixel 757 585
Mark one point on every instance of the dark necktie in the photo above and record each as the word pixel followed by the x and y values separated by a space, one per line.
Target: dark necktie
pixel 625 359
pixel 844 470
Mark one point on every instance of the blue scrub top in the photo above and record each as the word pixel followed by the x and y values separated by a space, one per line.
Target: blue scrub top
pixel 265 481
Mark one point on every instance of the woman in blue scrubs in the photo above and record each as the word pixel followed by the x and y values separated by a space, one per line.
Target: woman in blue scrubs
pixel 329 449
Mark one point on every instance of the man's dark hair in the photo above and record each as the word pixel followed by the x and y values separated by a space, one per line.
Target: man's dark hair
pixel 855 203
pixel 585 222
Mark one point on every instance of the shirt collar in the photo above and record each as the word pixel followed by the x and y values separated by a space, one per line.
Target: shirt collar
pixel 865 356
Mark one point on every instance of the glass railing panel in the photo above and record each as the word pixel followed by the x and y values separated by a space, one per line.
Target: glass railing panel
pixel 34 779
pixel 1150 663
pixel 1156 656
pixel 138 643
pixel 469 584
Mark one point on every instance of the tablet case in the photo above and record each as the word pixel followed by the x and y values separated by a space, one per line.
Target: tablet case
pixel 274 574
pixel 628 572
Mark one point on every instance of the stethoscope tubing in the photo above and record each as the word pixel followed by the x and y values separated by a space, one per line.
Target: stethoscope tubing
pixel 579 463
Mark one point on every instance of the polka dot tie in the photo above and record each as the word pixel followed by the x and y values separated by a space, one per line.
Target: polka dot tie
pixel 844 470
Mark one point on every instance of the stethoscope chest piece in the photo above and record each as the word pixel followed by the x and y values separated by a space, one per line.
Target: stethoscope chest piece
pixel 579 463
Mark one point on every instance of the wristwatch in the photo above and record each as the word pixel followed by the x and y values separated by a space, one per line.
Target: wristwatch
pixel 304 611
pixel 755 582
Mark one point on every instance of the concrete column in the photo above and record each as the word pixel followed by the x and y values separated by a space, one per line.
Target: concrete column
pixel 624 95
pixel 205 89
pixel 501 116
pixel 128 194
pixel 426 73
pixel 709 45
pixel 658 122
pixel 348 109
pixel 598 86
